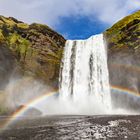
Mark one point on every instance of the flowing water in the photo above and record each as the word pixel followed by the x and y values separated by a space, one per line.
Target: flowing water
pixel 84 71
pixel 84 80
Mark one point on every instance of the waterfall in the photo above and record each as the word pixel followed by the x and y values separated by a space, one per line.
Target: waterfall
pixel 84 82
pixel 84 72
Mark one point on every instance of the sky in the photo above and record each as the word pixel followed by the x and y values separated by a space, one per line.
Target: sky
pixel 74 19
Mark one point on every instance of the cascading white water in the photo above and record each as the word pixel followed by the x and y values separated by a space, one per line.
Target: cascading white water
pixel 84 72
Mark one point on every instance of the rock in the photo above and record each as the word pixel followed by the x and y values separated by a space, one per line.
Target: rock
pixel 31 111
pixel 7 64
pixel 36 48
pixel 123 41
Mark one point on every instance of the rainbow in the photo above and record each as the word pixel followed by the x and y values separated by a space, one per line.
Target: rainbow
pixel 33 102
pixel 125 90
pixel 20 112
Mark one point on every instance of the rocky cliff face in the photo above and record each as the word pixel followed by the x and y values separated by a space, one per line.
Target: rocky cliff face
pixel 30 49
pixel 123 41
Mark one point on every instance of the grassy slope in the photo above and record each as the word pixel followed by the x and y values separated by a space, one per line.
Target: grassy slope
pixel 125 33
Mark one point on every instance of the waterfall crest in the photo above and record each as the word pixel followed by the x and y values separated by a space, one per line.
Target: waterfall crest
pixel 84 72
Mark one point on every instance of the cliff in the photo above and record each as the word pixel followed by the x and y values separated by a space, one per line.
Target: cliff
pixel 125 34
pixel 30 49
pixel 123 41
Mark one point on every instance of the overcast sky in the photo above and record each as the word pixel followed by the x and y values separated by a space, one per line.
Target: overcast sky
pixel 75 19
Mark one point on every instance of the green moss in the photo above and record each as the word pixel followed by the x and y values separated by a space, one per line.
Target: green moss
pixel 8 21
pixel 125 33
pixel 122 23
pixel 18 44
pixel 34 32
pixel 40 27
pixel 23 25
pixel 13 38
pixel 2 38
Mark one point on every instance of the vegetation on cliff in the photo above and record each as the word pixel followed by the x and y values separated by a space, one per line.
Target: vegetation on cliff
pixel 125 33
pixel 36 48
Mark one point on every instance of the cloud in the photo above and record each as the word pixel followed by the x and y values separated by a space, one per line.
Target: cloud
pixel 50 11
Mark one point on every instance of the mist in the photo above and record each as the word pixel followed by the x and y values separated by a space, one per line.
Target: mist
pixel 22 91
